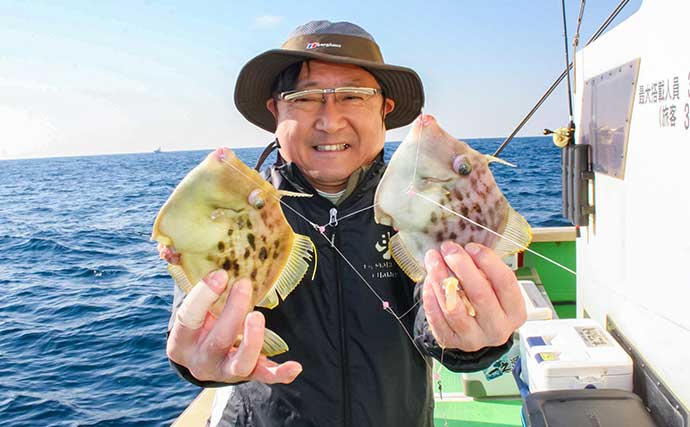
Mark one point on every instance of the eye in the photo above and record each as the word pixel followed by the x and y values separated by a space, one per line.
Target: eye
pixel 307 99
pixel 352 97
pixel 256 199
pixel 462 165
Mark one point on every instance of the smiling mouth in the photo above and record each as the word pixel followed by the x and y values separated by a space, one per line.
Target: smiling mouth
pixel 334 147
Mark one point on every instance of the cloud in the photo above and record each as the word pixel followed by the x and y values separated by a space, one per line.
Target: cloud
pixel 268 21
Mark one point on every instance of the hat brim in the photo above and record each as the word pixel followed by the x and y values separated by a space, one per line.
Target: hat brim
pixel 253 87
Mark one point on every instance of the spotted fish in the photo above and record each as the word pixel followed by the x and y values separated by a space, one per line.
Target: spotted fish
pixel 224 215
pixel 430 164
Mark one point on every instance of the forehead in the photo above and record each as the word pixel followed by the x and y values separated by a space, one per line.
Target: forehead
pixel 329 74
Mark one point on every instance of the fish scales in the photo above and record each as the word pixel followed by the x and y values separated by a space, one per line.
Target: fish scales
pixel 432 164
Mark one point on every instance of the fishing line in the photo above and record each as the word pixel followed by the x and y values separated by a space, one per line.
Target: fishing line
pixel 384 303
pixel 419 139
pixel 358 211
pixel 495 233
pixel 555 84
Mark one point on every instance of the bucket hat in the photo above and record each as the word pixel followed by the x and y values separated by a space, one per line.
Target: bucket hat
pixel 338 42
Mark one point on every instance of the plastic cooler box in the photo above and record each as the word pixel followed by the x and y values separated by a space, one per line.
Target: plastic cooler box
pixel 497 379
pixel 572 354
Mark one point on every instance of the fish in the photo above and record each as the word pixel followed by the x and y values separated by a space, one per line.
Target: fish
pixel 222 214
pixel 431 176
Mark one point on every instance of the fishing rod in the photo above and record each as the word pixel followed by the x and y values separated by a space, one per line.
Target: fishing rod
pixel 555 84
pixel 567 66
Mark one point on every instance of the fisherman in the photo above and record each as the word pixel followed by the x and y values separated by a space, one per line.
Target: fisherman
pixel 329 98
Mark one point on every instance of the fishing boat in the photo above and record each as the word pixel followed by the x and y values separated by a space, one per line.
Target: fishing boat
pixel 623 191
pixel 158 150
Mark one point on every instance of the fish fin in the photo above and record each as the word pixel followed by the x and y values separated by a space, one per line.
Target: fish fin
pixel 491 159
pixel 407 262
pixel 180 277
pixel 518 230
pixel 270 300
pixel 273 344
pixel 293 194
pixel 296 266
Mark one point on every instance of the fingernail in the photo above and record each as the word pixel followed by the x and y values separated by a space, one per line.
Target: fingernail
pixel 295 371
pixel 430 259
pixel 473 248
pixel 217 280
pixel 449 248
pixel 255 321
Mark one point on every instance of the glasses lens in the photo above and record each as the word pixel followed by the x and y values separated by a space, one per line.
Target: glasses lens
pixel 311 99
pixel 351 97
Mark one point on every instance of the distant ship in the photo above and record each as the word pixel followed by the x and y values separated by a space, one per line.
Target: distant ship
pixel 158 150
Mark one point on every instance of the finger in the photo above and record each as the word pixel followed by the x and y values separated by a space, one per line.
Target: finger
pixel 244 360
pixel 438 324
pixel 229 324
pixel 436 272
pixel 457 317
pixel 192 312
pixel 475 286
pixel 503 281
pixel 269 372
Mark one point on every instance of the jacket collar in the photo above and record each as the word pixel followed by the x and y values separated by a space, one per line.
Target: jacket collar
pixel 293 175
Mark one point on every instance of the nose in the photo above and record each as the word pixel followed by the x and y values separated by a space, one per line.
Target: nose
pixel 330 118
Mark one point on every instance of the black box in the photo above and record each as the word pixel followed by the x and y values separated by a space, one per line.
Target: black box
pixel 587 408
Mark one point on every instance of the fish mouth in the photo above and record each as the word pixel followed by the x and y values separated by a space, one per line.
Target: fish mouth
pixel 331 147
pixel 434 179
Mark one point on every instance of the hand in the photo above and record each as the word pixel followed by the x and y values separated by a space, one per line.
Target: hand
pixel 491 288
pixel 206 345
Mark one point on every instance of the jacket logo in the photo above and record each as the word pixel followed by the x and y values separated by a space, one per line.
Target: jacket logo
pixel 382 246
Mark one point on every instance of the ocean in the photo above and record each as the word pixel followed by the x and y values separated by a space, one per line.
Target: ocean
pixel 85 301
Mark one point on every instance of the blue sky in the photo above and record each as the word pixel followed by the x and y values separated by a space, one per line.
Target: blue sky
pixel 95 77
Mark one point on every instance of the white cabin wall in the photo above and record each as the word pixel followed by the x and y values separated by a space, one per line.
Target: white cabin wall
pixel 633 262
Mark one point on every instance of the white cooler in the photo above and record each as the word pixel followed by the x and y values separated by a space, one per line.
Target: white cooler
pixel 497 379
pixel 572 354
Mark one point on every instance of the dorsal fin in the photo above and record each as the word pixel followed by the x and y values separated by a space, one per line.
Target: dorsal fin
pixel 491 159
pixel 405 259
pixel 295 267
pixel 293 194
pixel 518 230
pixel 180 278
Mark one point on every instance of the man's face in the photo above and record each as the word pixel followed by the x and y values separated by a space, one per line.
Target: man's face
pixel 333 141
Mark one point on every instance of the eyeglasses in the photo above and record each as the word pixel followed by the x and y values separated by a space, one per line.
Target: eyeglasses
pixel 311 99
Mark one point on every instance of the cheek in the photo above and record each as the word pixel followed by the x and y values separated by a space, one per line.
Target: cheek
pixel 291 137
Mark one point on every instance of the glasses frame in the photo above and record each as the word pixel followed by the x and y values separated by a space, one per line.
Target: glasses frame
pixel 290 95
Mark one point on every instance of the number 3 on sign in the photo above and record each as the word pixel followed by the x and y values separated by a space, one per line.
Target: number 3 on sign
pixel 687 116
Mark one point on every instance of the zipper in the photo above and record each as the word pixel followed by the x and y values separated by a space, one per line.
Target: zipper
pixel 333 222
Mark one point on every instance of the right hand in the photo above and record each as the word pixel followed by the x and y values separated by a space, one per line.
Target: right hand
pixel 206 345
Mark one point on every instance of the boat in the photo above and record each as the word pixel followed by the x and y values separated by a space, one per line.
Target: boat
pixel 624 191
pixel 158 150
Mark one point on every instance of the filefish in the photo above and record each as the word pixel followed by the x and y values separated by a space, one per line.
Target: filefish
pixel 445 171
pixel 224 215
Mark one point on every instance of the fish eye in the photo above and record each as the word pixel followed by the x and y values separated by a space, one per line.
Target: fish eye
pixel 255 199
pixel 461 165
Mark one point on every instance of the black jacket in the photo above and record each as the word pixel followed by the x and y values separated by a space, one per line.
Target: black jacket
pixel 360 366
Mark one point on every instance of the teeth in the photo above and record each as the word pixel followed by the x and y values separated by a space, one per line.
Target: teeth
pixel 336 147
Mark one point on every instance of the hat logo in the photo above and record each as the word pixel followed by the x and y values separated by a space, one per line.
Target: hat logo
pixel 316 45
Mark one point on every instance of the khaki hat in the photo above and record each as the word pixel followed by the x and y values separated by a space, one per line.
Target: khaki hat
pixel 339 42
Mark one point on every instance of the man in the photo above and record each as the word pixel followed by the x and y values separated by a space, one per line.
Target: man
pixel 329 98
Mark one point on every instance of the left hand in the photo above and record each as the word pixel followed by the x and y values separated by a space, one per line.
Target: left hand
pixel 491 288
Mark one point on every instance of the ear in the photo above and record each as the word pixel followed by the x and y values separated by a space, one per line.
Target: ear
pixel 272 107
pixel 388 106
